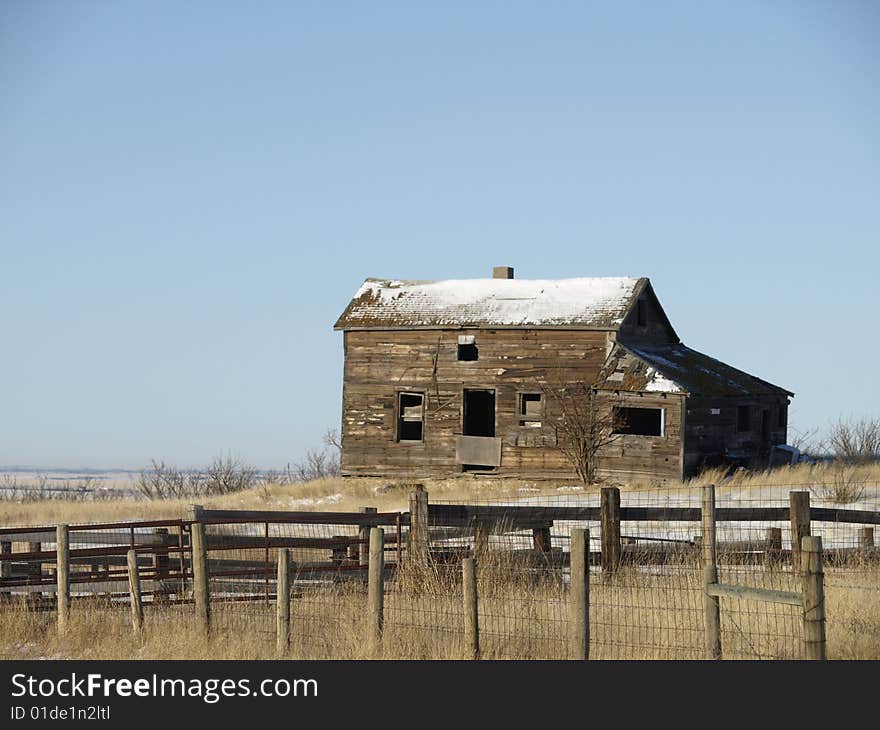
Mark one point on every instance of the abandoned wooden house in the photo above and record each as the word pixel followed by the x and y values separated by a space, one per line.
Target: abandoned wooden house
pixel 442 377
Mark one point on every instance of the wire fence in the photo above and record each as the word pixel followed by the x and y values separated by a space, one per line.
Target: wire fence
pixel 646 557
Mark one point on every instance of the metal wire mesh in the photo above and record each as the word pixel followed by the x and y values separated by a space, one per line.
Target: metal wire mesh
pixel 647 601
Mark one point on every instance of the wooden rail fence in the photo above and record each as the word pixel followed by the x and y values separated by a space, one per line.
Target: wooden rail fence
pixel 186 561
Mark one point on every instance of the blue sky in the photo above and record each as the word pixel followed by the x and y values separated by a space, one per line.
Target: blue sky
pixel 190 194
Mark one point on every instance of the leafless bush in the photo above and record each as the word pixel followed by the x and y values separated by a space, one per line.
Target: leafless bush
pixel 222 476
pixel 845 486
pixel 855 440
pixel 39 489
pixel 161 481
pixel 321 464
pixel 228 474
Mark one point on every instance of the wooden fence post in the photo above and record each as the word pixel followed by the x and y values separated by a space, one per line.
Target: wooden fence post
pixel 866 541
pixel 5 565
pixel 610 516
pixel 282 603
pixel 376 587
pixel 35 567
pixel 62 575
pixel 541 539
pixel 134 592
pixel 711 604
pixel 471 615
pixel 814 597
pixel 774 543
pixel 161 566
pixel 579 595
pixel 201 592
pixel 364 536
pixel 418 526
pixel 481 538
pixel 799 507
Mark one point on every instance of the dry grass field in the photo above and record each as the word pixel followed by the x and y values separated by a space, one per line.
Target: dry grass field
pixel 636 614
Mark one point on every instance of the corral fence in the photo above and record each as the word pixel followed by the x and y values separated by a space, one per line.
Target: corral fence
pixel 658 577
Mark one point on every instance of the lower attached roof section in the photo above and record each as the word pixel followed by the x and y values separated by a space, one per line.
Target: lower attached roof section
pixel 677 368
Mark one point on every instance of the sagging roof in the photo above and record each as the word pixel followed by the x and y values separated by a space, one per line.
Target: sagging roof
pixel 675 368
pixel 588 303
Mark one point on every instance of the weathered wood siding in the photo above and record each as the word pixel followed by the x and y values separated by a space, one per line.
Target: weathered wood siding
pixel 711 429
pixel 656 327
pixel 379 364
pixel 647 458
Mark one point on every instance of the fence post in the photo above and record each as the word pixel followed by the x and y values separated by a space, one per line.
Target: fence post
pixel 579 597
pixel 774 543
pixel 799 508
pixel 62 575
pixel 200 576
pixel 814 597
pixel 5 565
pixel 161 566
pixel 134 592
pixel 376 587
pixel 35 567
pixel 418 525
pixel 711 604
pixel 364 537
pixel 471 615
pixel 282 603
pixel 610 516
pixel 541 539
pixel 866 541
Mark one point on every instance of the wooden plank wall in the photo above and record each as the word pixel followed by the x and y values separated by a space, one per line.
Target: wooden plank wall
pixel 709 433
pixel 379 364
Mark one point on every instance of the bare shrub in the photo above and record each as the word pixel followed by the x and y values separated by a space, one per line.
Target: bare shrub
pixel 323 464
pixel 585 427
pixel 223 476
pixel 855 440
pixel 844 486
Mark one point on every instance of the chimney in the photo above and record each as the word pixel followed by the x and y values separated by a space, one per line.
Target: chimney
pixel 502 272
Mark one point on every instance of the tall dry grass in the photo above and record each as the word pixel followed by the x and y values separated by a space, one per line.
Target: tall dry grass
pixel 826 480
pixel 634 614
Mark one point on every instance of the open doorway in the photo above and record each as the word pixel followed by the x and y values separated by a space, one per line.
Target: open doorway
pixel 479 412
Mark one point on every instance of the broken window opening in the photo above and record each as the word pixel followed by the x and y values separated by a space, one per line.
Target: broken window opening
pixel 478 418
pixel 410 416
pixel 530 410
pixel 743 419
pixel 467 352
pixel 641 313
pixel 640 421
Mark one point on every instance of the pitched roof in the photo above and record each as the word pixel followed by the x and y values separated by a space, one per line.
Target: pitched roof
pixel 675 368
pixel 589 303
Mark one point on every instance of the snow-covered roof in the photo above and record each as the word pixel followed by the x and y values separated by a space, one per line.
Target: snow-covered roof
pixel 674 368
pixel 590 303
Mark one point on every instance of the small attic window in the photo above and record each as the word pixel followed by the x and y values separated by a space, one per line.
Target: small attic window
pixel 641 313
pixel 467 348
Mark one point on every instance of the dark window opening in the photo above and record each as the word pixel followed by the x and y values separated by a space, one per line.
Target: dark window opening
pixel 467 352
pixel 530 410
pixel 743 418
pixel 780 417
pixel 639 421
pixel 479 413
pixel 765 425
pixel 641 313
pixel 410 416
